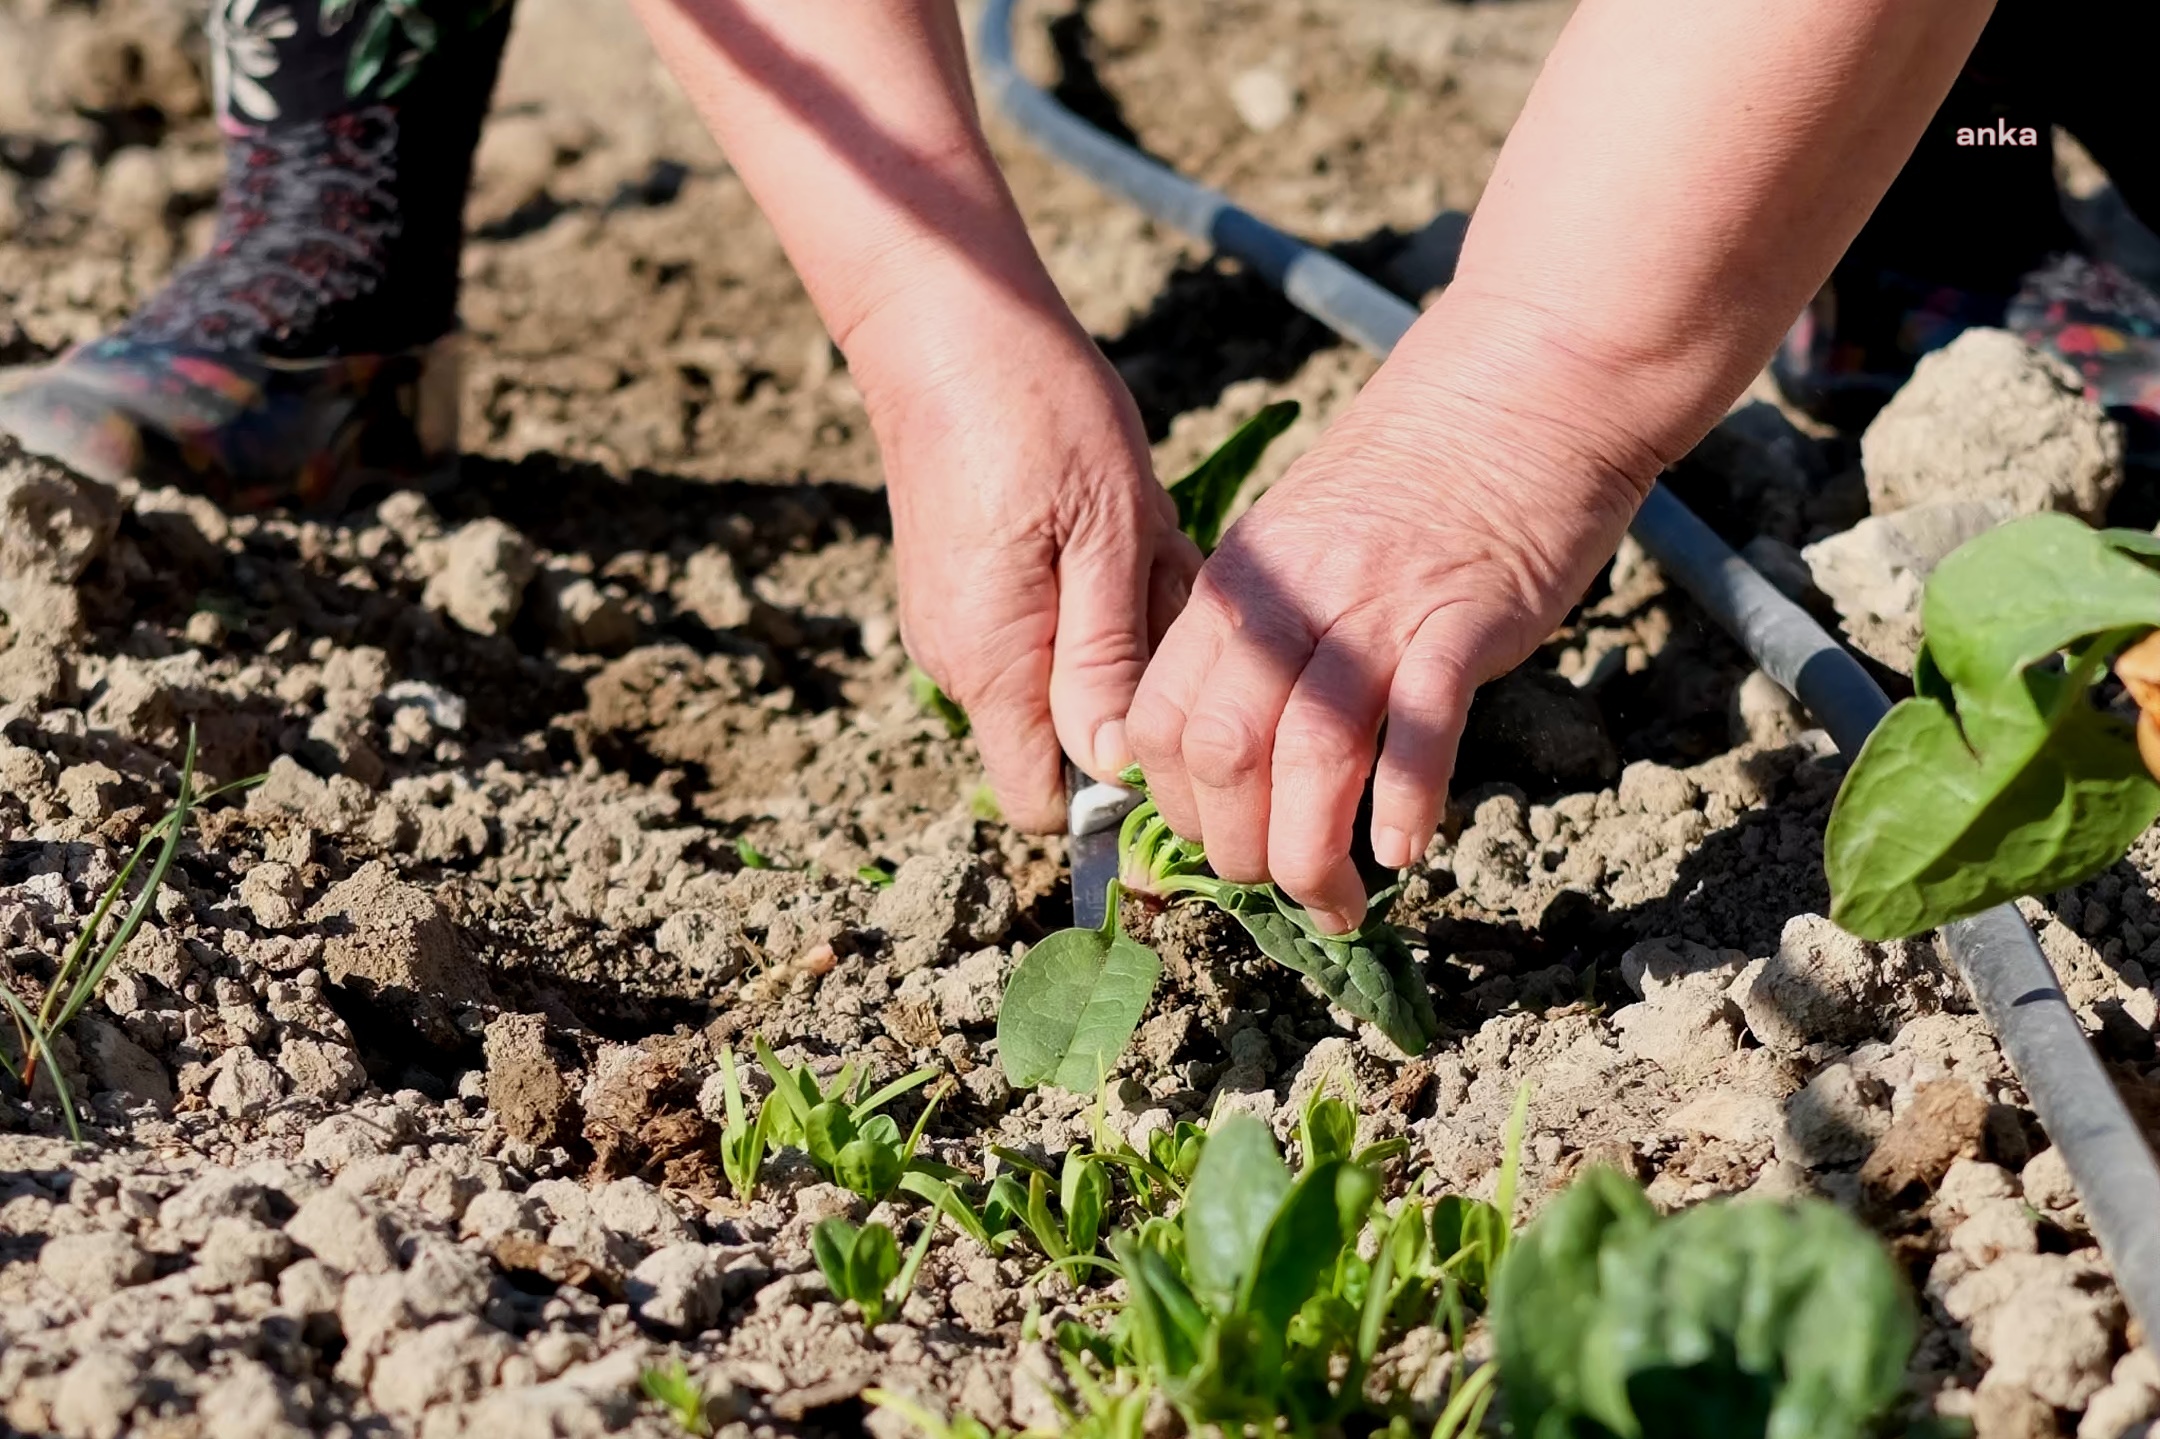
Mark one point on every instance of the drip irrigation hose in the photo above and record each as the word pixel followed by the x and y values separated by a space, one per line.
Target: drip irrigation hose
pixel 2009 978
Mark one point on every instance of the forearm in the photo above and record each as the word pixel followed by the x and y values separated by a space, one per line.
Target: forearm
pixel 853 124
pixel 1682 179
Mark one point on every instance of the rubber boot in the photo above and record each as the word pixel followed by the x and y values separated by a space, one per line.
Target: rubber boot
pixel 313 350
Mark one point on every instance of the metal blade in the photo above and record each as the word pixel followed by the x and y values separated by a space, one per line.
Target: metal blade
pixel 1093 814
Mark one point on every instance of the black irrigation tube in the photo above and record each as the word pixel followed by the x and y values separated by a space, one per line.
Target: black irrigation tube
pixel 2010 979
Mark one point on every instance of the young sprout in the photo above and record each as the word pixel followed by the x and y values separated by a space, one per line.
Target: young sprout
pixel 742 1140
pixel 849 1142
pixel 751 856
pixel 863 1265
pixel 670 1386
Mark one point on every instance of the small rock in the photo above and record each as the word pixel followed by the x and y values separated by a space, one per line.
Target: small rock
pixel 1765 715
pixel 320 1070
pixel 494 1213
pixel 1946 1122
pixel 343 1138
pixel 1824 985
pixel 1660 968
pixel 91 1266
pixel 945 899
pixel 1995 1227
pixel 681 1287
pixel 1989 417
pixel 714 949
pixel 346 1232
pixel 96 1395
pixel 2046 1183
pixel 1838 1117
pixel 486 566
pixel 582 617
pixel 968 994
pixel 239 1252
pixel 2046 1322
pixel 53 522
pixel 442 1364
pixel 1875 572
pixel 2131 1399
pixel 392 942
pixel 271 892
pixel 1684 1034
pixel 630 1206
pixel 118 1064
pixel 251 1402
pixel 1968 1184
pixel 525 1084
pixel 245 1083
pixel 1263 99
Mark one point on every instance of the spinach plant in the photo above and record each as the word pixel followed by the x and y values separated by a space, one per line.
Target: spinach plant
pixel 1263 1301
pixel 1075 999
pixel 2000 777
pixel 1732 1320
pixel 995 1226
pixel 849 1142
pixel 863 1265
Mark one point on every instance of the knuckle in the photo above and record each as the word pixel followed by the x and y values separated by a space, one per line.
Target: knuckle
pixel 1153 726
pixel 1317 740
pixel 1223 749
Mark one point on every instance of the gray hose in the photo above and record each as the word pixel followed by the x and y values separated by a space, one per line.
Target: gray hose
pixel 2009 978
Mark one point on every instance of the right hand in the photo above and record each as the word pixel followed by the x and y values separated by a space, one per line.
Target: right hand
pixel 1039 556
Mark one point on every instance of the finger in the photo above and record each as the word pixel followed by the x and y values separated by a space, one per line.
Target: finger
pixel 1009 712
pixel 1167 693
pixel 1426 707
pixel 1177 564
pixel 1104 601
pixel 1230 743
pixel 1323 751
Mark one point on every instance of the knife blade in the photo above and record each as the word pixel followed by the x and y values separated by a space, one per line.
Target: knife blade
pixel 1093 812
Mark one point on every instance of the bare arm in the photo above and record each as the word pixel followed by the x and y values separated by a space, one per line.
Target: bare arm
pixel 1037 553
pixel 1683 177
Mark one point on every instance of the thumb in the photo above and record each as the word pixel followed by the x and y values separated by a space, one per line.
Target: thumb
pixel 1102 642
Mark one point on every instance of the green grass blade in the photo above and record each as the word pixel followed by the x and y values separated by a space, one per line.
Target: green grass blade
pixel 175 832
pixel 28 1025
pixel 865 1108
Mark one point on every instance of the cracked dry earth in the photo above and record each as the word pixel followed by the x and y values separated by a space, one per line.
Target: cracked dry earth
pixel 403 1105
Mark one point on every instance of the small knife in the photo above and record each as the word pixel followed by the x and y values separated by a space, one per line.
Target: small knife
pixel 1093 813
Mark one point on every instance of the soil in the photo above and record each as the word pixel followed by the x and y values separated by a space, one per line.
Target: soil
pixel 405 1100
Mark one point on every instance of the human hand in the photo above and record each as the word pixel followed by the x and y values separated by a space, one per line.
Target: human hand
pixel 1039 557
pixel 1424 546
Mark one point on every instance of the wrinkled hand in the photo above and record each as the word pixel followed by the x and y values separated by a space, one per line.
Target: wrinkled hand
pixel 1039 556
pixel 1420 549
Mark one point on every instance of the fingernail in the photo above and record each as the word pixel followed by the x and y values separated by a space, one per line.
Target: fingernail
pixel 1391 847
pixel 1111 750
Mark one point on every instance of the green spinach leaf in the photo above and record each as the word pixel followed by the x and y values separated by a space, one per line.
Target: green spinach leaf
pixel 1072 1005
pixel 2000 778
pixel 1204 496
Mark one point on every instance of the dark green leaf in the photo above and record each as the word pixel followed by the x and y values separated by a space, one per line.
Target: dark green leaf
pixel 1733 1318
pixel 1204 497
pixel 1236 1188
pixel 1327 1129
pixel 1072 1006
pixel 2014 783
pixel 370 51
pixel 826 1132
pixel 1324 1210
pixel 1371 973
pixel 868 1168
pixel 1084 1195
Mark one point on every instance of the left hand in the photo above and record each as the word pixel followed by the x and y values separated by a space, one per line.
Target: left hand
pixel 1419 550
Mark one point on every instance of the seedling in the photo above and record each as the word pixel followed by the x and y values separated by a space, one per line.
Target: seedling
pixel 864 1265
pixel 849 1142
pixel 751 856
pixel 876 876
pixel 75 983
pixel 670 1386
pixel 1073 1224
pixel 994 1226
pixel 1327 1129
pixel 1075 1000
pixel 2000 777
pixel 1732 1320
pixel 742 1140
pixel 936 703
pixel 933 1425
